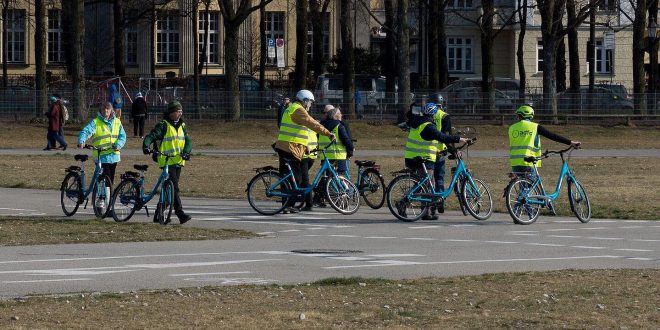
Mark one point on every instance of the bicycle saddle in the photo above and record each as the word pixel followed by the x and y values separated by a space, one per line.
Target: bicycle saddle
pixel 141 167
pixel 365 163
pixel 82 158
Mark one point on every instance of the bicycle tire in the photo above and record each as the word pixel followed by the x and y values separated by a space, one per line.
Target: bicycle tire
pixel 125 200
pixel 477 199
pixel 164 208
pixel 399 204
pixel 70 194
pixel 457 190
pixel 342 195
pixel 259 193
pixel 372 188
pixel 516 193
pixel 579 200
pixel 101 195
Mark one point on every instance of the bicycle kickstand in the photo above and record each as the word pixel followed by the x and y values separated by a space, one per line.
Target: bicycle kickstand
pixel 147 209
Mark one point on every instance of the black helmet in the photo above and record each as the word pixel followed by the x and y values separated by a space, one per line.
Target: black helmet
pixel 436 98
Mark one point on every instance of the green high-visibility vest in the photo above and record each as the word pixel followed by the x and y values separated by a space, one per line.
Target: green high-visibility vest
pixel 290 131
pixel 173 143
pixel 437 118
pixel 338 150
pixel 416 146
pixel 104 138
pixel 312 143
pixel 524 141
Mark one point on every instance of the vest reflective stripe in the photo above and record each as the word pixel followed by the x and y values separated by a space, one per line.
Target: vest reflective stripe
pixel 523 142
pixel 416 146
pixel 437 118
pixel 312 143
pixel 290 131
pixel 338 150
pixel 173 143
pixel 103 138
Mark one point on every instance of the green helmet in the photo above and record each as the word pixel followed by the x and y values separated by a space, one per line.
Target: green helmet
pixel 525 111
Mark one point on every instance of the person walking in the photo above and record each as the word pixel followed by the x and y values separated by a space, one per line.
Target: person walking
pixel 114 97
pixel 172 137
pixel 139 114
pixel 108 133
pixel 54 125
pixel 292 140
pixel 280 112
pixel 442 122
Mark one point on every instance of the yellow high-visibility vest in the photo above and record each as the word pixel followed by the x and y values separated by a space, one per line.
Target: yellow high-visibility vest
pixel 173 143
pixel 416 146
pixel 105 138
pixel 290 131
pixel 524 141
pixel 437 118
pixel 338 150
pixel 312 143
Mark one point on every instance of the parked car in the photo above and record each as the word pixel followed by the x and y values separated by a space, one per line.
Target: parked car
pixel 602 101
pixel 617 89
pixel 470 100
pixel 508 86
pixel 330 90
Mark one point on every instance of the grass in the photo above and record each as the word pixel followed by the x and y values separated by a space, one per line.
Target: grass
pixel 577 299
pixel 37 231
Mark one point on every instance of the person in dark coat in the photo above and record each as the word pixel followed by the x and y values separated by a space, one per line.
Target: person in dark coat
pixel 139 114
pixel 54 123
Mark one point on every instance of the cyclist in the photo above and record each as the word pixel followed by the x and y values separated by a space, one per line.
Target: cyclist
pixel 423 141
pixel 524 140
pixel 108 132
pixel 172 136
pixel 292 140
pixel 343 149
pixel 443 124
pixel 306 164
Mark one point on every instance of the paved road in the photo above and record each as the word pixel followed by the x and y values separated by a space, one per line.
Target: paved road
pixel 311 246
pixel 358 153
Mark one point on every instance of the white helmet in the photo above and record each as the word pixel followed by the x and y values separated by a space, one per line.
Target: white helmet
pixel 304 94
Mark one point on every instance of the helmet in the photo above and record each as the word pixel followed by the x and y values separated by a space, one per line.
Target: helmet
pixel 52 99
pixel 525 111
pixel 430 109
pixel 304 94
pixel 437 99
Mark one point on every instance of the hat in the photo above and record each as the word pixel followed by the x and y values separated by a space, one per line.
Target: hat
pixel 173 106
pixel 52 99
pixel 138 95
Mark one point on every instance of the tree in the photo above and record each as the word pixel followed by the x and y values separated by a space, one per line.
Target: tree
pixel 317 11
pixel 438 70
pixel 639 47
pixel 403 55
pixel 76 36
pixel 520 51
pixel 232 18
pixel 347 57
pixel 40 42
pixel 118 20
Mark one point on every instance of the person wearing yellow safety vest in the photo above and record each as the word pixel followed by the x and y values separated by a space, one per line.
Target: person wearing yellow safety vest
pixel 442 122
pixel 292 140
pixel 423 141
pixel 306 164
pixel 173 137
pixel 107 132
pixel 343 149
pixel 524 140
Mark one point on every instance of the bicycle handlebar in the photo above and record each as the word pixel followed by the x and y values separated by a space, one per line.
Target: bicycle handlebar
pixel 547 154
pixel 317 149
pixel 91 147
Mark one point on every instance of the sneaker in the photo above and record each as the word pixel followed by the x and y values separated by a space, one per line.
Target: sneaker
pixel 183 218
pixel 45 149
pixel 64 147
pixel 290 210
pixel 441 207
pixel 430 217
pixel 306 208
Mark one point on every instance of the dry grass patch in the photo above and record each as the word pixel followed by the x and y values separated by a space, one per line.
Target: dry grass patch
pixel 580 299
pixel 40 231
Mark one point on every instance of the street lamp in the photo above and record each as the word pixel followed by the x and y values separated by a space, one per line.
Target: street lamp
pixel 653 60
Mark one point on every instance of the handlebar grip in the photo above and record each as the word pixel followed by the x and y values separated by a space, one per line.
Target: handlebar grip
pixel 530 159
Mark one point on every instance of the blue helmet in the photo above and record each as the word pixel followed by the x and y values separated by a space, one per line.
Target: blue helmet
pixel 430 109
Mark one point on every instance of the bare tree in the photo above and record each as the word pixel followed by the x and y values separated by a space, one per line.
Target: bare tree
pixel 347 57
pixel 639 47
pixel 300 76
pixel 317 11
pixel 522 22
pixel 118 20
pixel 40 53
pixel 403 55
pixel 76 37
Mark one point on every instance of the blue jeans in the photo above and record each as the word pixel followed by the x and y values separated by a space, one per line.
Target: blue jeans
pixel 53 137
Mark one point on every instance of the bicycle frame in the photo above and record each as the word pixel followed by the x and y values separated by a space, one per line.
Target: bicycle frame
pixel 460 170
pixel 564 173
pixel 164 175
pixel 98 171
pixel 325 167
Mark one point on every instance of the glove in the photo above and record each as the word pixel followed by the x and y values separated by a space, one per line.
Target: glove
pixel 349 154
pixel 146 151
pixel 185 156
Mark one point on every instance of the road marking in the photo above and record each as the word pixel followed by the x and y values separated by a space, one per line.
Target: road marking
pixel 289 231
pixel 642 259
pixel 351 258
pixel 524 234
pixel 201 274
pixel 266 233
pixel 631 227
pixel 421 239
pixel 381 237
pixel 218 219
pixel 588 247
pixel 462 225
pixel 38 281
pixel 199 212
pixel 546 244
pixel 225 280
pixel 196 264
pixel 561 229
pixel 646 240
pixel 502 242
pixel 459 240
pixel 564 236
pixel 595 228
pixel 10 209
pixel 607 238
pixel 395 255
pixel 424 227
pixel 634 250
pixel 473 261
pixel 300 217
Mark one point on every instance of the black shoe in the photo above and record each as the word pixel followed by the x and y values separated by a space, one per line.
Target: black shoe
pixel 441 207
pixel 401 208
pixel 306 208
pixel 64 147
pixel 46 149
pixel 183 218
pixel 290 210
pixel 430 217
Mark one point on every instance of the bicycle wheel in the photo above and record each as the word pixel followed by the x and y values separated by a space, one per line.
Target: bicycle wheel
pixel 398 200
pixel 264 193
pixel 125 200
pixel 70 194
pixel 164 208
pixel 101 195
pixel 518 194
pixel 579 200
pixel 459 192
pixel 342 195
pixel 372 188
pixel 476 198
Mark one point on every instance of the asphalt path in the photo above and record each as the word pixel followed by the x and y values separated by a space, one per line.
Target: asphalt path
pixel 309 246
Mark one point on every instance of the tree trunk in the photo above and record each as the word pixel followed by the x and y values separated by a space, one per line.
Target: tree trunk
pixel 560 69
pixel 487 38
pixel 434 45
pixel 317 16
pixel 389 60
pixel 638 43
pixel 653 63
pixel 203 60
pixel 5 50
pixel 118 19
pixel 300 77
pixel 347 58
pixel 263 46
pixel 573 56
pixel 403 56
pixel 231 62
pixel 443 79
pixel 78 56
pixel 520 55
pixel 195 63
pixel 40 43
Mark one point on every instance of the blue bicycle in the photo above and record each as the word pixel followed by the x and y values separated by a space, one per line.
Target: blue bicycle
pixel 73 192
pixel 525 195
pixel 269 192
pixel 130 195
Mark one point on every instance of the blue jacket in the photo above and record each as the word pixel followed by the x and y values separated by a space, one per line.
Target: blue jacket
pixel 90 129
pixel 344 135
pixel 114 97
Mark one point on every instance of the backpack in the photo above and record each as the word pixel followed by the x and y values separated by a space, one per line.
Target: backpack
pixel 64 113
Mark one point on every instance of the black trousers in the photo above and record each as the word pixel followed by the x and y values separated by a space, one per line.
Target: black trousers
pixel 296 166
pixel 138 125
pixel 306 164
pixel 175 174
pixel 109 170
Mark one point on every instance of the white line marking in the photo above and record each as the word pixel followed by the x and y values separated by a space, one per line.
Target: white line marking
pixel 350 258
pixel 588 247
pixel 475 261
pixel 424 227
pixel 10 209
pixel 196 264
pixel 642 259
pixel 380 237
pixel 218 219
pixel 289 231
pixel 266 233
pixel 459 240
pixel 395 255
pixel 561 229
pixel 502 242
pixel 545 244
pixel 595 228
pixel 634 250
pixel 462 225
pixel 350 236
pixel 564 236
pixel 526 231
pixel 524 234
pixel 199 212
pixel 307 218
pixel 607 238
pixel 421 239
pixel 38 281
pixel 646 240
pixel 631 227
pixel 201 274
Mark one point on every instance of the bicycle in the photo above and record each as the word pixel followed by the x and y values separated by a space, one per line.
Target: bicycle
pixel 269 193
pixel 73 192
pixel 525 195
pixel 410 196
pixel 130 196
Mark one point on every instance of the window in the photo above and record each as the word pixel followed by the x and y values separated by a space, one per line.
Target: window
pixel 326 36
pixel 603 58
pixel 607 5
pixel 274 30
pixel 539 56
pixel 55 50
pixel 131 44
pixel 213 38
pixel 459 54
pixel 15 36
pixel 458 4
pixel 167 43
